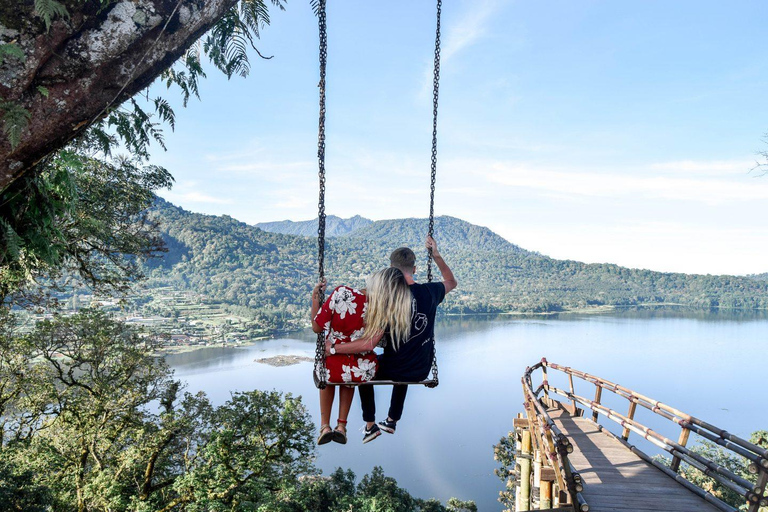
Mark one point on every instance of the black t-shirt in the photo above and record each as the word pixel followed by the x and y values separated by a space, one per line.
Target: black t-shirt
pixel 413 359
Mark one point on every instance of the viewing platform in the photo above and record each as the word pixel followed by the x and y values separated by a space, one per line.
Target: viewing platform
pixel 566 461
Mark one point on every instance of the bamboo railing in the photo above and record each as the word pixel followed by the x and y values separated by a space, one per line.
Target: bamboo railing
pixel 756 457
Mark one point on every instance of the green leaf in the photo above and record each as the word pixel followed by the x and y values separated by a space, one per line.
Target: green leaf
pixel 15 120
pixel 49 9
pixel 43 90
pixel 11 50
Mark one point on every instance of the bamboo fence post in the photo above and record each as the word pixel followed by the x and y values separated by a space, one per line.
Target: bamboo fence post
pixel 761 483
pixel 545 381
pixel 536 490
pixel 518 467
pixel 682 441
pixel 546 495
pixel 524 502
pixel 570 383
pixel 598 396
pixel 631 416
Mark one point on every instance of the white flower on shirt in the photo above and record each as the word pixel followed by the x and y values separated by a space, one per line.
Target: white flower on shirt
pixel 365 369
pixel 356 335
pixel 343 302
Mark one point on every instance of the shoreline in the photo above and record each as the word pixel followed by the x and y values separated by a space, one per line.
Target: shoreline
pixel 586 310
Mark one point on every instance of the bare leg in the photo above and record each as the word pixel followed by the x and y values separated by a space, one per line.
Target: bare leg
pixel 346 394
pixel 326 402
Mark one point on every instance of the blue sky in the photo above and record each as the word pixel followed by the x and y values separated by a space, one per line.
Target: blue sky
pixel 620 132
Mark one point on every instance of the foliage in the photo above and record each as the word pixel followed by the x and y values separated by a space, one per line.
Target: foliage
pixel 271 274
pixel 80 216
pixel 504 454
pixel 11 50
pixel 727 460
pixel 89 420
pixel 96 423
pixel 49 9
pixel 15 120
pixel 376 492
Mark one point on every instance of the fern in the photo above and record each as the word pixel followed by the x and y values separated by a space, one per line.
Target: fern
pixel 15 121
pixel 11 241
pixel 11 50
pixel 164 110
pixel 49 9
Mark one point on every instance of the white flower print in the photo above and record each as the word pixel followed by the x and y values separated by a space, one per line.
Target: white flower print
pixel 343 302
pixel 319 372
pixel 356 335
pixel 365 309
pixel 346 374
pixel 365 369
pixel 335 336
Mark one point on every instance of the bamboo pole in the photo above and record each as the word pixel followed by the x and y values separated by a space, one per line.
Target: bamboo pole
pixel 679 479
pixel 546 495
pixel 630 415
pixel 656 406
pixel 682 441
pixel 570 383
pixel 525 473
pixel 536 490
pixel 598 396
pixel 741 486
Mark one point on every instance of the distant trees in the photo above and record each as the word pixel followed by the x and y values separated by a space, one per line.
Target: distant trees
pixel 233 263
pixel 90 422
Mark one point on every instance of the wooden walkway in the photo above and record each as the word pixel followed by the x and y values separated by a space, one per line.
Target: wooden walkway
pixel 615 479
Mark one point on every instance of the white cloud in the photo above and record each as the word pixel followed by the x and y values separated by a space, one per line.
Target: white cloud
pixel 469 28
pixel 709 168
pixel 194 197
pixel 712 188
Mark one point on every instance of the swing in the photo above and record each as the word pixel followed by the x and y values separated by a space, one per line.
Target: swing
pixel 320 374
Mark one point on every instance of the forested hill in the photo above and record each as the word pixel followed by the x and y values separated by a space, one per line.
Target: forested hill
pixel 232 262
pixel 334 226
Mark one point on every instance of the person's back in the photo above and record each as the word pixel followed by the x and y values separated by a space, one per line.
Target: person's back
pixel 408 360
pixel 412 359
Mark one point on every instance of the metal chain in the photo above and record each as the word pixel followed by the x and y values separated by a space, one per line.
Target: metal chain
pixel 320 371
pixel 435 88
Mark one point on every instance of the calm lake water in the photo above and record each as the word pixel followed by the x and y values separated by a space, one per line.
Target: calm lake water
pixel 710 365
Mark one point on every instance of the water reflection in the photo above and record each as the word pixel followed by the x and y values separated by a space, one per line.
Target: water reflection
pixel 701 363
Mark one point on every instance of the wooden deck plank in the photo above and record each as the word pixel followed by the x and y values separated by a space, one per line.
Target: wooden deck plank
pixel 617 480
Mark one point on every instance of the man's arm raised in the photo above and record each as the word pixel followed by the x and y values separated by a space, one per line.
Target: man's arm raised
pixel 449 281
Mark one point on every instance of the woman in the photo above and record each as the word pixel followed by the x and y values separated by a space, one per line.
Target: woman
pixel 343 317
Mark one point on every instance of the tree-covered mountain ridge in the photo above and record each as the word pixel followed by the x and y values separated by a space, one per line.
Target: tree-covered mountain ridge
pixel 334 226
pixel 272 274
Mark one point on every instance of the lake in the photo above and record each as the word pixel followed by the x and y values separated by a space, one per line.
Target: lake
pixel 708 364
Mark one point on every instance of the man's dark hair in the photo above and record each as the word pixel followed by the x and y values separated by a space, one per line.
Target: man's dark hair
pixel 403 258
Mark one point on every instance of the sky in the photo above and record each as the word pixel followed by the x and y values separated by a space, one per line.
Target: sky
pixel 599 131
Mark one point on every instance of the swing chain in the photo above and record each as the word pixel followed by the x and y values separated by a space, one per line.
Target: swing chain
pixel 436 86
pixel 320 370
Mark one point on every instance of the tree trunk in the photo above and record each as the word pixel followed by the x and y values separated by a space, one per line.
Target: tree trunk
pixel 89 61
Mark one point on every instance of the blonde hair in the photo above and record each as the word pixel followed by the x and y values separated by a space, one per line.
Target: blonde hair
pixel 389 305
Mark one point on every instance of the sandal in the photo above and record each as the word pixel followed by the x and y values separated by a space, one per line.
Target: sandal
pixel 326 435
pixel 340 432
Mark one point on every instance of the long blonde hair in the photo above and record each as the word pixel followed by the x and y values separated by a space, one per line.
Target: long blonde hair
pixel 389 305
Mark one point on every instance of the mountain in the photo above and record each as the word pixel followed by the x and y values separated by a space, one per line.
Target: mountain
pixel 272 274
pixel 334 226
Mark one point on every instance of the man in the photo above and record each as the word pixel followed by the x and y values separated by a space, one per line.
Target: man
pixel 412 361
